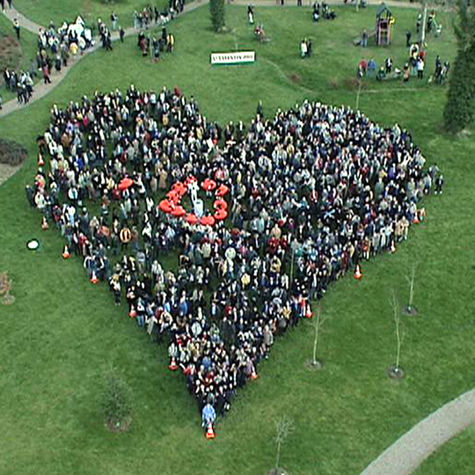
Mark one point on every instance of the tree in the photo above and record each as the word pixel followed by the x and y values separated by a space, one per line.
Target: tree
pixel 459 109
pixel 216 8
pixel 395 371
pixel 318 322
pixel 411 309
pixel 284 427
pixel 117 403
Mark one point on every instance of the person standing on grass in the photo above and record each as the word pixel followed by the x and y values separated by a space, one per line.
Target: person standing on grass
pixel 16 27
pixel 364 39
pixel 420 68
pixel 1 101
pixel 121 34
pixel 10 3
pixel 2 3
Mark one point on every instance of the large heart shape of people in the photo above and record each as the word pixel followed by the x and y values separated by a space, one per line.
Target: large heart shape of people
pixel 307 194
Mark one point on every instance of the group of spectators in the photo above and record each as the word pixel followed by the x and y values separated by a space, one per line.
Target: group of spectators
pixel 414 67
pixel 21 83
pixel 322 11
pixel 310 193
pixel 151 45
pixel 54 47
pixel 151 14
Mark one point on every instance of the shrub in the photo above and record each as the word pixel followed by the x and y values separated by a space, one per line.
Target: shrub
pixel 216 8
pixel 117 403
pixel 12 153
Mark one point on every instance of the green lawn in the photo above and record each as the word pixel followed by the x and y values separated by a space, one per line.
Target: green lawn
pixel 44 11
pixel 62 332
pixel 454 457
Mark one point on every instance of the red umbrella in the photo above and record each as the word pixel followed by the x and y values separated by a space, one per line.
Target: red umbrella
pixel 223 190
pixel 207 221
pixel 221 214
pixel 179 211
pixel 220 204
pixel 192 218
pixel 180 188
pixel 125 183
pixel 190 179
pixel 209 185
pixel 166 206
pixel 173 196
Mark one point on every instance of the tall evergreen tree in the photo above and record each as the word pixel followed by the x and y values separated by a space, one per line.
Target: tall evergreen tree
pixel 216 8
pixel 459 109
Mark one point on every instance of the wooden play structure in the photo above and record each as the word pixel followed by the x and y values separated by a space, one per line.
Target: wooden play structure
pixel 384 23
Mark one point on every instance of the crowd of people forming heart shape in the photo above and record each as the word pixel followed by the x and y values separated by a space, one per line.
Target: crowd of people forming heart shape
pixel 310 193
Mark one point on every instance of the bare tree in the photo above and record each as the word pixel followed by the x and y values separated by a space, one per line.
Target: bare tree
pixel 410 308
pixel 318 322
pixel 284 427
pixel 396 371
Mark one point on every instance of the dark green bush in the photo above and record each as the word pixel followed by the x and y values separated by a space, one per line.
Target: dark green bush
pixel 12 153
pixel 117 403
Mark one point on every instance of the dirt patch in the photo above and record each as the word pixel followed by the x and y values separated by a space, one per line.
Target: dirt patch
pixel 396 372
pixel 295 78
pixel 118 426
pixel 314 365
pixel 349 84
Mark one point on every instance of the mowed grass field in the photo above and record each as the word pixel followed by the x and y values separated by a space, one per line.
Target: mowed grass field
pixel 457 453
pixel 63 333
pixel 44 11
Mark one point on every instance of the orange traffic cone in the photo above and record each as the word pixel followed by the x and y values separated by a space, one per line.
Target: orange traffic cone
pixel 358 274
pixel 210 434
pixel 41 162
pixel 173 366
pixel 254 375
pixel 44 224
pixel 94 278
pixel 132 313
pixel 66 254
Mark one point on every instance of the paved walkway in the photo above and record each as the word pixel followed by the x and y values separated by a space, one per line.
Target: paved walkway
pixel 41 89
pixel 409 451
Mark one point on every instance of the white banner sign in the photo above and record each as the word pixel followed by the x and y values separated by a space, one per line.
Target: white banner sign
pixel 233 58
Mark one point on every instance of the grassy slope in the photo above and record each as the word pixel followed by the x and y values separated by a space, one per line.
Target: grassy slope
pixel 55 343
pixel 28 46
pixel 43 11
pixel 454 457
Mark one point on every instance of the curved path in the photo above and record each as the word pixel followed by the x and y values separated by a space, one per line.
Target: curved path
pixel 42 90
pixel 409 451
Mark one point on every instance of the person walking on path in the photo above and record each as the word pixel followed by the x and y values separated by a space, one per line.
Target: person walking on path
pixel 46 74
pixel 114 20
pixel 121 34
pixel 2 3
pixel 10 3
pixel 16 27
